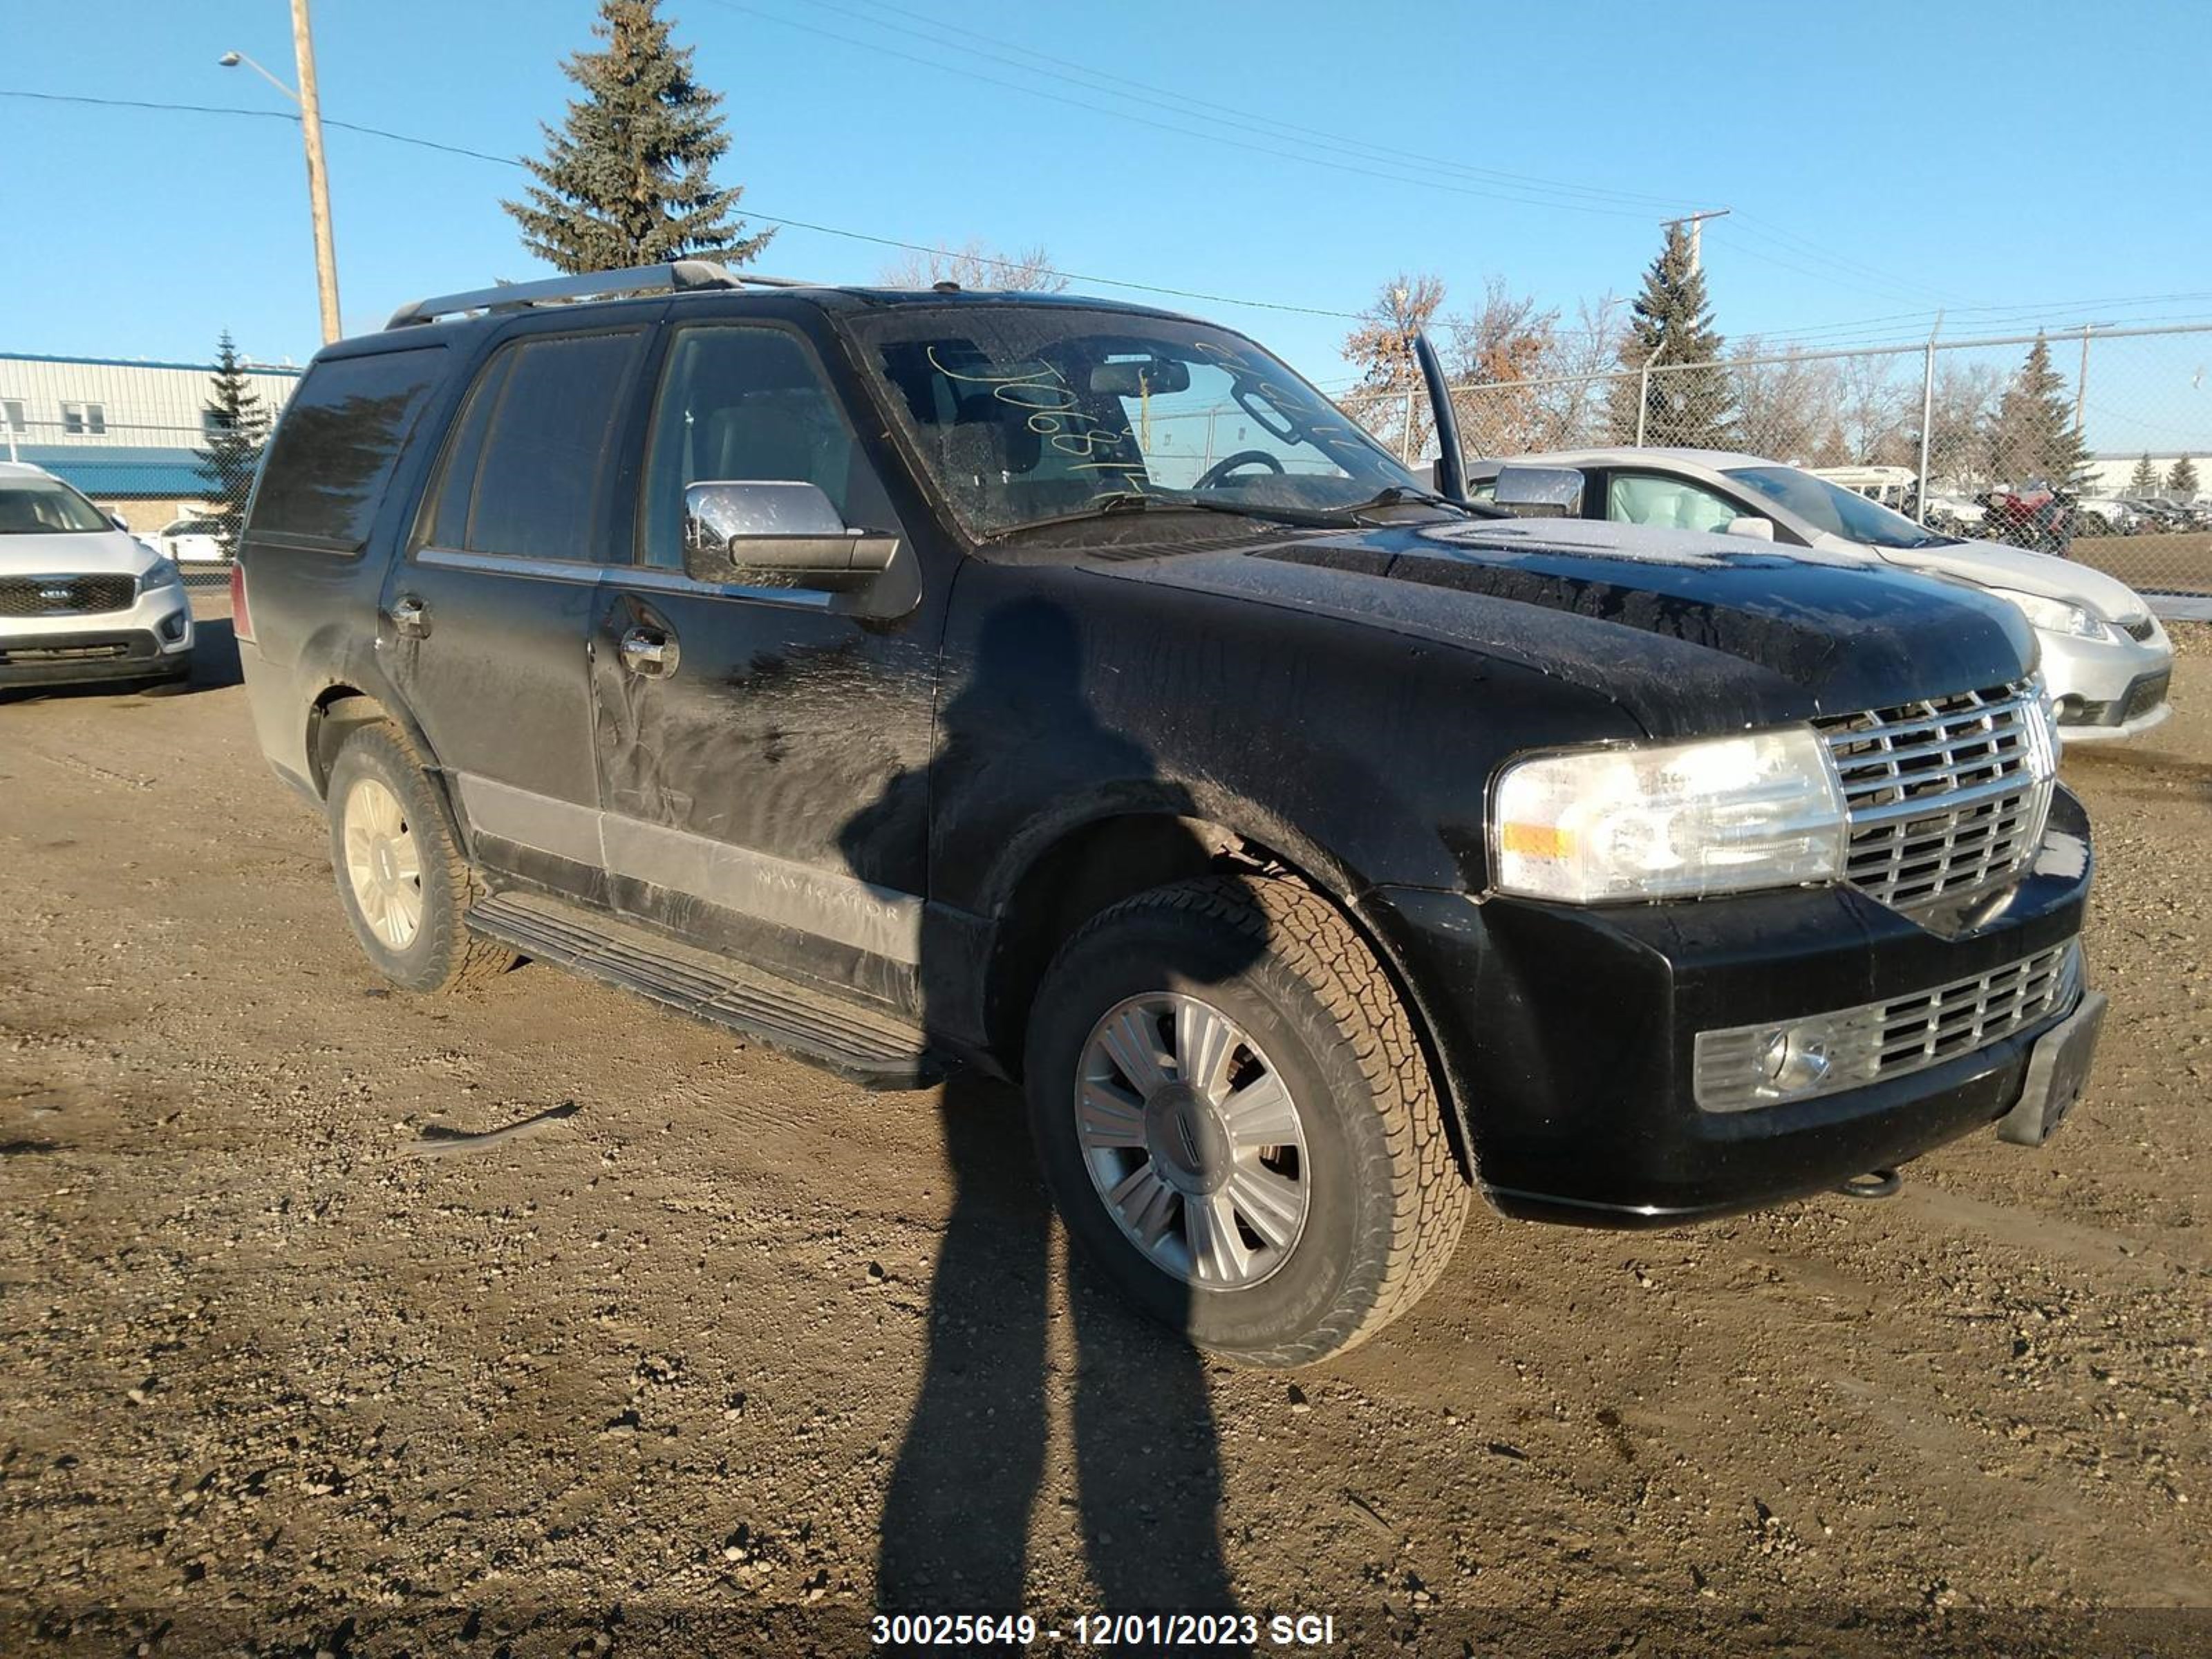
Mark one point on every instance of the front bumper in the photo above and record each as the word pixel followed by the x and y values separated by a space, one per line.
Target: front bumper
pixel 151 640
pixel 1567 1034
pixel 2107 689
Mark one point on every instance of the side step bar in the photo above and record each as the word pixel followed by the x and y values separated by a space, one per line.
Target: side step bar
pixel 871 1048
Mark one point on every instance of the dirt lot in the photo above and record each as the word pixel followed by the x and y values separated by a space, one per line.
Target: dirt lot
pixel 651 1376
pixel 2171 563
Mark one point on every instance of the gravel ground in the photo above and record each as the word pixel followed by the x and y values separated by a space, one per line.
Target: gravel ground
pixel 286 1372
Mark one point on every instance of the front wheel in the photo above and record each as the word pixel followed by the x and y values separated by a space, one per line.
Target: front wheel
pixel 1237 1122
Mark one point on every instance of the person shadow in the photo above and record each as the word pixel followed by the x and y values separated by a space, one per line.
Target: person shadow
pixel 960 1512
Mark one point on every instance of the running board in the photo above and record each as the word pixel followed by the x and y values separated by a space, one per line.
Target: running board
pixel 871 1047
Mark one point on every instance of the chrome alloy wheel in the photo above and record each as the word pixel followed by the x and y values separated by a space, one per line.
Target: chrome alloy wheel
pixel 382 864
pixel 1192 1141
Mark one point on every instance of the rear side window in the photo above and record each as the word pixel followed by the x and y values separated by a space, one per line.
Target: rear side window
pixel 336 444
pixel 531 446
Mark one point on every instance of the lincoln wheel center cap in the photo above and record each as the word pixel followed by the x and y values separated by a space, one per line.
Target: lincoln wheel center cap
pixel 1184 1136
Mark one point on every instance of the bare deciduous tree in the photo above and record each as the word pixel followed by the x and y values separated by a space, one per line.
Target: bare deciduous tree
pixel 1578 375
pixel 1874 410
pixel 1964 403
pixel 1495 352
pixel 975 264
pixel 1785 401
pixel 1385 399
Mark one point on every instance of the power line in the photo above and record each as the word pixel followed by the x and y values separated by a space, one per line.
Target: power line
pixel 1273 152
pixel 1245 120
pixel 1093 80
pixel 2021 315
pixel 1756 226
pixel 750 213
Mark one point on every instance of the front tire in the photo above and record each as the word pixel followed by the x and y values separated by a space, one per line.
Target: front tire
pixel 1237 1122
pixel 403 883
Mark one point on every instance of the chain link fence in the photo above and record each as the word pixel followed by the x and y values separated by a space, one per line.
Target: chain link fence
pixel 181 490
pixel 2087 443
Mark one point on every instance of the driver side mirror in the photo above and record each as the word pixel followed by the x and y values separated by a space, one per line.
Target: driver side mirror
pixel 1751 524
pixel 772 533
pixel 1539 492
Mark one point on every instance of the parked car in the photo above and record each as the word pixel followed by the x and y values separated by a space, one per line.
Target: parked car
pixel 192 541
pixel 1959 516
pixel 1894 487
pixel 902 678
pixel 2157 515
pixel 2106 660
pixel 2104 515
pixel 81 598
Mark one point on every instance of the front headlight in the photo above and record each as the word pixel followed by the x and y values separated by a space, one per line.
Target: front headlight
pixel 1676 820
pixel 162 572
pixel 2057 616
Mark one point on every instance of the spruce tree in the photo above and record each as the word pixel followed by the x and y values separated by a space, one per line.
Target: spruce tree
pixel 2034 437
pixel 1671 328
pixel 2144 480
pixel 626 180
pixel 236 426
pixel 2182 481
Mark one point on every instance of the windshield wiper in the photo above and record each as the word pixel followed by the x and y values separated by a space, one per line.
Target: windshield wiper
pixel 1098 507
pixel 1311 517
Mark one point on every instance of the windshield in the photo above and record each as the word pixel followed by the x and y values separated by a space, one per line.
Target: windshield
pixel 1839 511
pixel 1030 414
pixel 42 507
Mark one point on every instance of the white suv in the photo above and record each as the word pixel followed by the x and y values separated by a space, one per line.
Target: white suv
pixel 81 598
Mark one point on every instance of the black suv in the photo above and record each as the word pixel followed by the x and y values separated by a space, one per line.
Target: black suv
pixel 1068 690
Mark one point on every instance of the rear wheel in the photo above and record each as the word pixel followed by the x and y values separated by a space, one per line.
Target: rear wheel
pixel 402 881
pixel 1235 1121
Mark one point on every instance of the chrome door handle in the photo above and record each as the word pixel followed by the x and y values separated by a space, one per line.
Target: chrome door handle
pixel 411 617
pixel 647 653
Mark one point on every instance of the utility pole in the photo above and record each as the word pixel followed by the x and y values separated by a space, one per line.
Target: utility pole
pixel 318 181
pixel 1696 224
pixel 311 134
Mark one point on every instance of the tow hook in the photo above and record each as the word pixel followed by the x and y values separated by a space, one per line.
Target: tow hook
pixel 1873 1185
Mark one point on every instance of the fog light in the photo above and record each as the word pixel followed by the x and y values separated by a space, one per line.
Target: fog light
pixel 1793 1059
pixel 172 627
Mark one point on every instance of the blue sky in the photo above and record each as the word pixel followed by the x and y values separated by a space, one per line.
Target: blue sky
pixel 1881 158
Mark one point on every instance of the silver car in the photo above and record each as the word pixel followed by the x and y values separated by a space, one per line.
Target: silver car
pixel 80 597
pixel 2105 658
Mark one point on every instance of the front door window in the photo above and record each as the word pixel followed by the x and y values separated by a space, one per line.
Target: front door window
pixel 1651 498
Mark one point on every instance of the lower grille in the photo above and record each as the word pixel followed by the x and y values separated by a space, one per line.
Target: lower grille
pixel 1851 1048
pixel 2145 695
pixel 65 596
pixel 2139 699
pixel 29 654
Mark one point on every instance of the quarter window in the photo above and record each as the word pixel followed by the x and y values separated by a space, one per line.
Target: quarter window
pixel 748 403
pixel 336 444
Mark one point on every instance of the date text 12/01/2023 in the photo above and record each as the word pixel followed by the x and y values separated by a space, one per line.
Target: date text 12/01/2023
pixel 963 1630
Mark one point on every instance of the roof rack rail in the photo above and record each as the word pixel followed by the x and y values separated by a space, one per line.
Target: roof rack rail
pixel 669 278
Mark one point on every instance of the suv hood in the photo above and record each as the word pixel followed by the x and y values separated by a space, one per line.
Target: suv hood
pixel 77 553
pixel 1689 633
pixel 1993 564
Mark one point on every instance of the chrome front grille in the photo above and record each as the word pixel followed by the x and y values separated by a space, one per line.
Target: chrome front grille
pixel 1945 799
pixel 1878 1040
